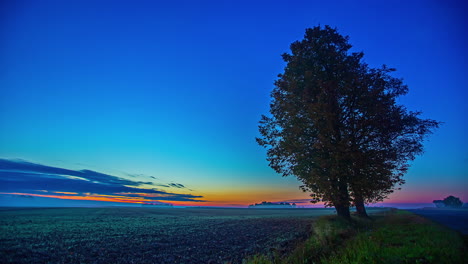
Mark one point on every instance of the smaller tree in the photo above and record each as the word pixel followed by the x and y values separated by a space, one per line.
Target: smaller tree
pixel 453 201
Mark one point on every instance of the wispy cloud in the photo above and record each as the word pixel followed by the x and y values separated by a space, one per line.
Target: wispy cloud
pixel 139 175
pixel 27 178
pixel 177 185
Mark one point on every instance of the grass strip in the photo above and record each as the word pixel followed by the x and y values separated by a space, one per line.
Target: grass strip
pixel 398 237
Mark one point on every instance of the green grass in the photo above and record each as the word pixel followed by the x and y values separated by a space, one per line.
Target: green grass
pixel 400 237
pixel 403 238
pixel 328 232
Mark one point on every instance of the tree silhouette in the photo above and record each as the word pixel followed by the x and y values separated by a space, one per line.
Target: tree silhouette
pixel 453 201
pixel 384 136
pixel 335 124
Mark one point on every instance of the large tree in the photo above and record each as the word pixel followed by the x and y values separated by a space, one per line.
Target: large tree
pixel 335 124
pixel 382 135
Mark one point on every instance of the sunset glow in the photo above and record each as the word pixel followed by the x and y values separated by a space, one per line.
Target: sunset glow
pixel 160 101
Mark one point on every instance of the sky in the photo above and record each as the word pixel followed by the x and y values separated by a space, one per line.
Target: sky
pixel 124 102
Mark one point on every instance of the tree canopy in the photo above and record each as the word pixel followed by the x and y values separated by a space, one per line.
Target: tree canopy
pixel 335 124
pixel 452 201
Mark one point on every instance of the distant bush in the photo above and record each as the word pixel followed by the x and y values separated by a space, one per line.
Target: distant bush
pixel 453 201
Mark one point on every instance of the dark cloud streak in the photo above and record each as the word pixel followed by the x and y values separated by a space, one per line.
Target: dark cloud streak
pixel 24 166
pixel 27 177
pixel 177 185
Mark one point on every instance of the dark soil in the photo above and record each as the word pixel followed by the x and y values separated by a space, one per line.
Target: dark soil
pixel 148 235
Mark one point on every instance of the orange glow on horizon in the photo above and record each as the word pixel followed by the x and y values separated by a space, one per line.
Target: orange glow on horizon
pixel 232 198
pixel 102 198
pixel 66 192
pixel 217 200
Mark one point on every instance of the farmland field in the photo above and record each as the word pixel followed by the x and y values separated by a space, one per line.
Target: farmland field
pixel 455 218
pixel 148 235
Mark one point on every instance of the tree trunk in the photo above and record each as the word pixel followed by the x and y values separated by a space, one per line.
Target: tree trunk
pixel 343 211
pixel 342 201
pixel 360 208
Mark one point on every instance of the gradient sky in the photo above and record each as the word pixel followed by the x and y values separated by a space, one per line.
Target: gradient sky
pixel 170 92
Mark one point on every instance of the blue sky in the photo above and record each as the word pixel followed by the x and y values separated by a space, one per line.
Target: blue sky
pixel 175 89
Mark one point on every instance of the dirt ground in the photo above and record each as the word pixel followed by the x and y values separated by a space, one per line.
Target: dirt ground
pixel 148 235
